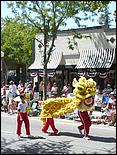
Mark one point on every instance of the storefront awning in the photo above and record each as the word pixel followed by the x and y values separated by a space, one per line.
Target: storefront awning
pixel 102 58
pixel 53 63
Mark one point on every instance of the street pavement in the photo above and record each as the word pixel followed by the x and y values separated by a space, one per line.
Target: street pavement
pixel 69 141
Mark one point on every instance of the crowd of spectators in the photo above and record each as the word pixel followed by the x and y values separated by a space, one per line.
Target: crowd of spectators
pixel 10 94
pixel 104 101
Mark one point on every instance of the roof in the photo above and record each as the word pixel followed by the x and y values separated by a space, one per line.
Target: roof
pixel 96 58
pixel 100 44
pixel 53 63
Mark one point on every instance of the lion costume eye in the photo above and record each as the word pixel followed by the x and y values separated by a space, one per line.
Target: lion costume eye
pixel 79 88
pixel 89 89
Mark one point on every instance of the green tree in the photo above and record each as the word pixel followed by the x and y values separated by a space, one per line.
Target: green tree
pixel 104 18
pixel 47 17
pixel 16 40
pixel 89 9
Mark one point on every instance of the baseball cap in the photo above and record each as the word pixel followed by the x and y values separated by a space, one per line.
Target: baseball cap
pixel 112 93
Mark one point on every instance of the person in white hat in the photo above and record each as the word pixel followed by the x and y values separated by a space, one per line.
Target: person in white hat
pixel 11 96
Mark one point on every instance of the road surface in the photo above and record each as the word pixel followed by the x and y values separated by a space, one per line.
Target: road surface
pixel 69 141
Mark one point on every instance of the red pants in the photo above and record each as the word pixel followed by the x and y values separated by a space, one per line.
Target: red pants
pixel 26 122
pixel 86 122
pixel 49 121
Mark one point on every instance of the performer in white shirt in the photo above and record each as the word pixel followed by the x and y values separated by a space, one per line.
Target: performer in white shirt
pixel 23 116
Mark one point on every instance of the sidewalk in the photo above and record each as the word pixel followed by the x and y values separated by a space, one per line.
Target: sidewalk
pixel 95 118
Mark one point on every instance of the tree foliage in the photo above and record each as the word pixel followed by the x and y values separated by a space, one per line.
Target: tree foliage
pixel 16 40
pixel 89 9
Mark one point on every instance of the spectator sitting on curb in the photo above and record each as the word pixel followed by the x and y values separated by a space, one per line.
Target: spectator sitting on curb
pixel 112 102
pixel 108 112
pixel 105 99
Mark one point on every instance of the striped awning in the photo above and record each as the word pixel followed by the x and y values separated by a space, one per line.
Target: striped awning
pixel 53 63
pixel 102 58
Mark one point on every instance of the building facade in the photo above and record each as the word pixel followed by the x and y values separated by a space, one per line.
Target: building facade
pixel 93 55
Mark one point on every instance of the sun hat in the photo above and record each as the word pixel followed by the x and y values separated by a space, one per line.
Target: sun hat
pixel 11 82
pixel 108 85
pixel 112 93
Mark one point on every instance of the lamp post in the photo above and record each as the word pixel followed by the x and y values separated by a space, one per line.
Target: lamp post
pixel 20 73
pixel 2 57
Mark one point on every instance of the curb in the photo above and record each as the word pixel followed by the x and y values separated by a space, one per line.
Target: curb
pixel 94 121
pixel 37 117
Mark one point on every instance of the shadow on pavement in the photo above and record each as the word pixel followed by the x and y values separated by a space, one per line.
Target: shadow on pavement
pixel 92 138
pixel 34 137
pixel 103 139
pixel 36 147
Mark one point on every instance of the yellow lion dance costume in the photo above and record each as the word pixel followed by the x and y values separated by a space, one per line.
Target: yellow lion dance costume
pixel 56 107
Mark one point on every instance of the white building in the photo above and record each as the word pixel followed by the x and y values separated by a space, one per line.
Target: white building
pixel 92 56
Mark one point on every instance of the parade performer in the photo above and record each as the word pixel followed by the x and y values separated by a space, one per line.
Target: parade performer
pixel 84 116
pixel 49 122
pixel 47 115
pixel 23 116
pixel 86 105
pixel 59 106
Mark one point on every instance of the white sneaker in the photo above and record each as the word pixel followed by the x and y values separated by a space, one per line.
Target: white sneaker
pixel 30 136
pixel 80 131
pixel 87 138
pixel 18 136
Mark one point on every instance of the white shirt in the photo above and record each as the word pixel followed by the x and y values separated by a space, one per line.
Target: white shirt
pixel 22 106
pixel 54 89
pixel 13 88
pixel 97 100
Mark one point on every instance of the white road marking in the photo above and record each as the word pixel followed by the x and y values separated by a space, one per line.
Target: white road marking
pixel 7 132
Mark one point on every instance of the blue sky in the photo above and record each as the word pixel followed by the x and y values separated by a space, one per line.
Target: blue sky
pixel 70 23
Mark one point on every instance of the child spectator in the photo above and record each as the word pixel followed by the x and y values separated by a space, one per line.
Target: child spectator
pixel 112 102
pixel 29 91
pixel 105 99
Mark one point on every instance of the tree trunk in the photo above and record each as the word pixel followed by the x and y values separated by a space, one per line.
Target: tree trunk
pixel 45 82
